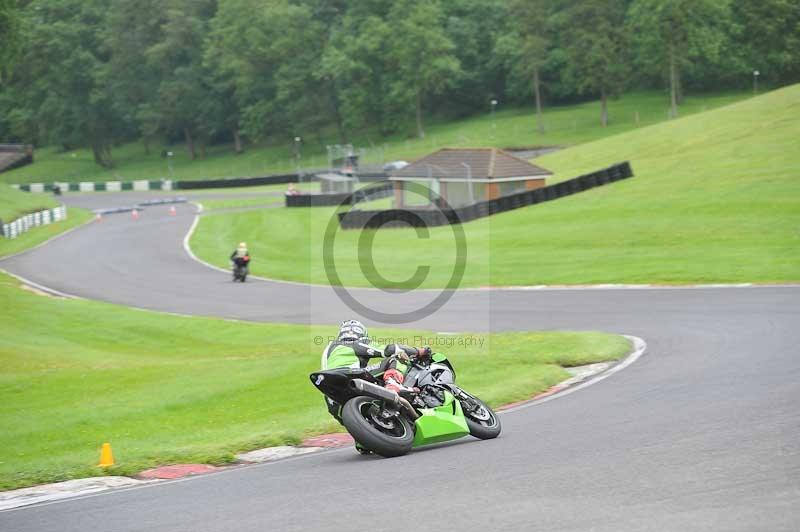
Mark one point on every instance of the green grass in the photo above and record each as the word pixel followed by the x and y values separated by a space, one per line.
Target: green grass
pixel 565 125
pixel 168 389
pixel 716 198
pixel 14 204
pixel 233 203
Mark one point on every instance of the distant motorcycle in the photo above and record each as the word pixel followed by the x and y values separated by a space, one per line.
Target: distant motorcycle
pixel 240 271
pixel 383 422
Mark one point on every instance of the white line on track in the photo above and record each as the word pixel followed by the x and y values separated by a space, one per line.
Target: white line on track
pixel 189 236
pixel 46 289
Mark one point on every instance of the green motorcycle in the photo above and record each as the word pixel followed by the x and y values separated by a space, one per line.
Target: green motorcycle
pixel 384 423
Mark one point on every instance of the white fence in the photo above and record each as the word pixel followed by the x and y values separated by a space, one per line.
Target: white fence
pixel 91 186
pixel 29 221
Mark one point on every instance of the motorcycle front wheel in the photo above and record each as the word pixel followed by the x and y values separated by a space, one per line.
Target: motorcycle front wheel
pixel 482 421
pixel 387 436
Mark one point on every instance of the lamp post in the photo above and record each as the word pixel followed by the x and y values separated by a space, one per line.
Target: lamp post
pixel 494 126
pixel 469 183
pixel 430 182
pixel 297 141
pixel 756 73
pixel 169 165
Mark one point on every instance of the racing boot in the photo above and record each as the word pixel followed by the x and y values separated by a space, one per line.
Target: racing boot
pixel 393 380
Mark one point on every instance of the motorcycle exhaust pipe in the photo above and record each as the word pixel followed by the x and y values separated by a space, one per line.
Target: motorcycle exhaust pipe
pixel 367 388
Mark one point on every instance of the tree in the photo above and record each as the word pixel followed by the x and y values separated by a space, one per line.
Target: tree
pixel 525 49
pixel 474 27
pixel 99 72
pixel 130 29
pixel 10 36
pixel 65 85
pixel 184 95
pixel 421 53
pixel 668 35
pixel 251 45
pixel 767 38
pixel 223 83
pixel 323 77
pixel 594 44
pixel 306 81
pixel 356 60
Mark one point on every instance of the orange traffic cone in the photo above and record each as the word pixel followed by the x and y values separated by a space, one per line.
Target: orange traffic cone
pixel 106 456
pixel 135 214
pixel 172 211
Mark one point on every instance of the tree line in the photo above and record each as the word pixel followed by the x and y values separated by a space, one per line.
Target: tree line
pixel 96 73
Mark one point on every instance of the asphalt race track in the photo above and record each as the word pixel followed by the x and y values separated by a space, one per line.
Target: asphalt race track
pixel 701 433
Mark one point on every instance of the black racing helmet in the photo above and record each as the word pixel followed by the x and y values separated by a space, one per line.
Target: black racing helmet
pixel 351 331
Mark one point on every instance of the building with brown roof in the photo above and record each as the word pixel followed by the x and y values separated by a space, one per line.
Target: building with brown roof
pixel 461 176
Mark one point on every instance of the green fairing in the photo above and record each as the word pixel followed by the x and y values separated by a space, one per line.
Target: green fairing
pixel 442 423
pixel 438 357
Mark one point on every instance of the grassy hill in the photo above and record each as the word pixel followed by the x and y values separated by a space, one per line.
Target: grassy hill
pixel 565 125
pixel 716 198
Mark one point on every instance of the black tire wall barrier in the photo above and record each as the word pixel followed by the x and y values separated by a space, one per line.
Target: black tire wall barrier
pixel 237 182
pixel 316 200
pixel 264 180
pixel 382 190
pixel 426 218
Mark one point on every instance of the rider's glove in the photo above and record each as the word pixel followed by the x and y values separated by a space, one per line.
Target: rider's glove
pixel 402 356
pixel 424 353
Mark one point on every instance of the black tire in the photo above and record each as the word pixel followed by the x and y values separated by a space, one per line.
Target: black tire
pixel 387 443
pixel 482 421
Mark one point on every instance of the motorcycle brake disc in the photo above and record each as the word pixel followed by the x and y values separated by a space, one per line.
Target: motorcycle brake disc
pixel 383 421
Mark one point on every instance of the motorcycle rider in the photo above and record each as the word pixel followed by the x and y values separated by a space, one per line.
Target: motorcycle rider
pixel 241 256
pixel 352 349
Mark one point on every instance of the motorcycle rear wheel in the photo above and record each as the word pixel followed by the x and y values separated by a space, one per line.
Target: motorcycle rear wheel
pixel 388 438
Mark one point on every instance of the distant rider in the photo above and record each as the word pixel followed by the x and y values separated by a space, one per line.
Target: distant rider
pixel 241 256
pixel 352 349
